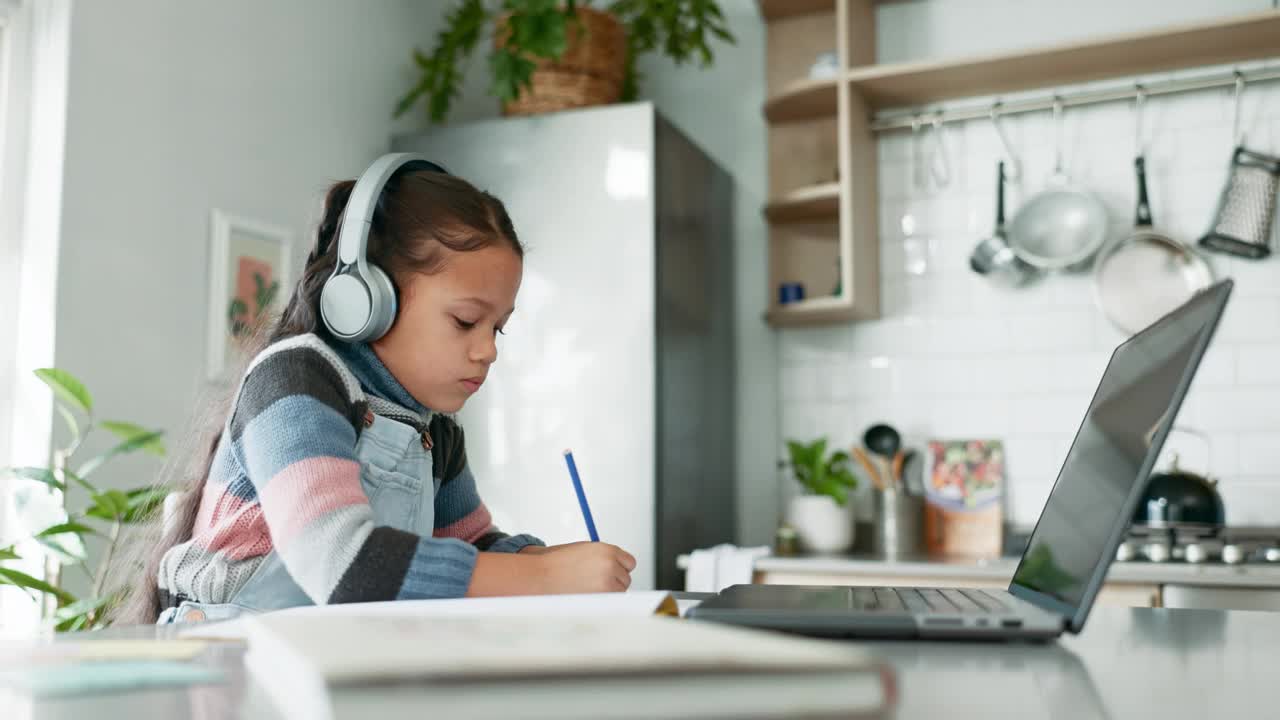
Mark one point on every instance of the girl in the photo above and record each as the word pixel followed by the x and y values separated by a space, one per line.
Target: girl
pixel 334 477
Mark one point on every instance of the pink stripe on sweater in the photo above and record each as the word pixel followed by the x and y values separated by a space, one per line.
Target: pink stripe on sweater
pixel 216 506
pixel 240 535
pixel 308 490
pixel 470 528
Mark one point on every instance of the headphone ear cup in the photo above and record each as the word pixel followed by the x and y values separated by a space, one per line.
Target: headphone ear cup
pixel 382 313
pixel 345 306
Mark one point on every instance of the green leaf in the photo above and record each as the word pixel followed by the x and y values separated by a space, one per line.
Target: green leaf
pixel 128 446
pixel 70 550
pixel 72 624
pixel 83 606
pixel 68 388
pixel 129 431
pixel 23 580
pixel 93 489
pixel 511 74
pixel 7 553
pixel 67 527
pixel 110 505
pixel 42 475
pixel 143 502
pixel 73 426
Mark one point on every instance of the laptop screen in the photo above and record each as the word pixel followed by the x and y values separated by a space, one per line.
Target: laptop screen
pixel 1116 446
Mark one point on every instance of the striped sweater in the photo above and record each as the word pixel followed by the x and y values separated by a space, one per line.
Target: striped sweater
pixel 285 476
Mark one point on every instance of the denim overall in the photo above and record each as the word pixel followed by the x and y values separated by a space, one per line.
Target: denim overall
pixel 394 451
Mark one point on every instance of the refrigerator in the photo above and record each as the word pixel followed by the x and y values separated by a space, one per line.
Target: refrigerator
pixel 621 347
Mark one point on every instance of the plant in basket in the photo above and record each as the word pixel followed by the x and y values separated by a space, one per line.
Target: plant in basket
pixel 550 55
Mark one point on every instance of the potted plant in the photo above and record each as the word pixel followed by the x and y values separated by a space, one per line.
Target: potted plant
pixel 60 541
pixel 551 55
pixel 823 516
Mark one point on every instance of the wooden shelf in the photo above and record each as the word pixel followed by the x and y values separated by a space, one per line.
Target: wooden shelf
pixel 777 9
pixel 814 311
pixel 1242 37
pixel 808 204
pixel 803 100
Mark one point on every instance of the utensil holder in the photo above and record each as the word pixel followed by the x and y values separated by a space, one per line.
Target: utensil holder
pixel 898 523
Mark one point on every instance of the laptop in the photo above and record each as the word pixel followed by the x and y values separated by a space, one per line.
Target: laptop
pixel 1075 538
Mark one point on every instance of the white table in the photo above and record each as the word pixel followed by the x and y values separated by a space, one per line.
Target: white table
pixel 1128 663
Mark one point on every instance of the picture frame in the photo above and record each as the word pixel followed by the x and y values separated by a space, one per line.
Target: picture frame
pixel 250 277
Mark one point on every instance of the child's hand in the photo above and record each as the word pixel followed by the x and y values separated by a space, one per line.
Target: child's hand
pixel 585 567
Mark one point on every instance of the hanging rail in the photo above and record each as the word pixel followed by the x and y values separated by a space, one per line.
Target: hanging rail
pixel 905 121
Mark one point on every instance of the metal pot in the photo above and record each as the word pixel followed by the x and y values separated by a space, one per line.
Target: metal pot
pixel 1063 226
pixel 1179 498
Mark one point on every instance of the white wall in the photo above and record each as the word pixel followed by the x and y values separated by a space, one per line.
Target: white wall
pixel 953 357
pixel 177 108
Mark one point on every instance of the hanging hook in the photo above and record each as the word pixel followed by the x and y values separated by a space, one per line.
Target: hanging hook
pixel 1014 169
pixel 1139 104
pixel 917 176
pixel 941 173
pixel 1237 136
pixel 1058 123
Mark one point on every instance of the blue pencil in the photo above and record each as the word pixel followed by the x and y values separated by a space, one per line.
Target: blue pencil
pixel 582 496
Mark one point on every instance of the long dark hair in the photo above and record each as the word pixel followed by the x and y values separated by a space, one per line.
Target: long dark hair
pixel 421 214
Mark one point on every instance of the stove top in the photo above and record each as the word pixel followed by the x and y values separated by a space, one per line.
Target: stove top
pixel 1202 545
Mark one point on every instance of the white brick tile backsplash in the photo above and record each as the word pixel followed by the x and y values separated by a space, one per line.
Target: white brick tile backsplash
pixel 1250 319
pixel 799 382
pixel 954 355
pixel 1024 501
pixel 1050 330
pixel 1048 413
pixel 814 345
pixel 1031 455
pixel 1239 409
pixel 872 375
pixel 1030 373
pixel 970 415
pixel 1257 364
pixel 1219 368
pixel 1216 454
pixel 1251 500
pixel 1259 454
pixel 1077 371
pixel 1253 278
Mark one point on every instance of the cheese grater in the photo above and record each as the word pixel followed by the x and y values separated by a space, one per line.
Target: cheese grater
pixel 1242 226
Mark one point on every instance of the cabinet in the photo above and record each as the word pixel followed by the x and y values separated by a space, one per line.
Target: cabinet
pixel 823 202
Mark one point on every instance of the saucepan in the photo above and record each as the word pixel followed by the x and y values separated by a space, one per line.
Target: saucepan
pixel 992 256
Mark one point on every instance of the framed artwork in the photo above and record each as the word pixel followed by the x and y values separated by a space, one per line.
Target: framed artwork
pixel 249 281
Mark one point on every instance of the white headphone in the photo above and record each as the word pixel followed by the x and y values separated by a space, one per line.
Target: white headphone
pixel 358 302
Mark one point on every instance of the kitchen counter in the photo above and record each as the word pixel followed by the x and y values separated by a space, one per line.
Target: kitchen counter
pixel 1001 570
pixel 1129 584
pixel 1128 663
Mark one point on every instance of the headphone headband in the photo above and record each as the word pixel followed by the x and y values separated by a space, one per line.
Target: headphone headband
pixel 358 301
pixel 353 235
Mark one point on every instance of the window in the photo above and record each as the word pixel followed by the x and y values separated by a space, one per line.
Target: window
pixel 12 41
pixel 34 43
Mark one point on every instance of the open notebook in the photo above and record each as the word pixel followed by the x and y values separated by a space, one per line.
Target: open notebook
pixel 598 656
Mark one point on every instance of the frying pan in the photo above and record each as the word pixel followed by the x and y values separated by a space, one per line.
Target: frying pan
pixel 1140 278
pixel 1061 227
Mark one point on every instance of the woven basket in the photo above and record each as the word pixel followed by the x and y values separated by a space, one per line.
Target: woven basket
pixel 589 73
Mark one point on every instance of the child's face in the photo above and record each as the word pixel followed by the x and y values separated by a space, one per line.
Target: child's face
pixel 444 337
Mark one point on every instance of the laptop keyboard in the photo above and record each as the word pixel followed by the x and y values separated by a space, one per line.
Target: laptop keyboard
pixel 927 600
